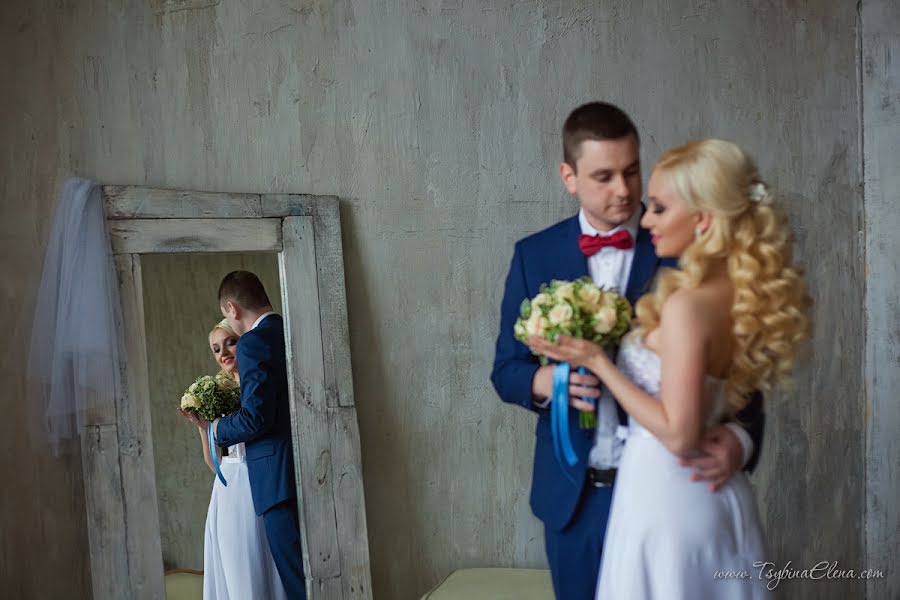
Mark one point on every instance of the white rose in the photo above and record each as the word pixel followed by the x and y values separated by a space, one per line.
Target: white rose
pixel 226 382
pixel 194 387
pixel 590 295
pixel 605 320
pixel 189 401
pixel 565 291
pixel 209 385
pixel 519 329
pixel 536 325
pixel 542 299
pixel 561 313
pixel 609 299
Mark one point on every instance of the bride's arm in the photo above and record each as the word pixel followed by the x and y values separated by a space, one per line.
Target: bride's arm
pixel 207 457
pixel 677 418
pixel 204 437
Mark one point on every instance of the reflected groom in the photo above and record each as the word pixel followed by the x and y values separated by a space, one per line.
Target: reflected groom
pixel 263 422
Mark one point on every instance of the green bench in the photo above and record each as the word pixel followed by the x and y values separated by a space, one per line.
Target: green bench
pixel 184 584
pixel 464 584
pixel 494 584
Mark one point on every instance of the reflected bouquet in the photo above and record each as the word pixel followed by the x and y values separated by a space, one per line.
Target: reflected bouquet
pixel 213 396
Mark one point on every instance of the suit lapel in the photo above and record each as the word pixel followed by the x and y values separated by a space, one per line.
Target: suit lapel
pixel 572 260
pixel 643 266
pixel 572 264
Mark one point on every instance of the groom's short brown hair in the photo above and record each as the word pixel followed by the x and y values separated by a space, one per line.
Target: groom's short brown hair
pixel 598 121
pixel 244 289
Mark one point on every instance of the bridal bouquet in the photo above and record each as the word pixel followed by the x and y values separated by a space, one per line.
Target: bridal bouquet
pixel 213 396
pixel 579 309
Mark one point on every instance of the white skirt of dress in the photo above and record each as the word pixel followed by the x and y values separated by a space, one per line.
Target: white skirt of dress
pixel 671 538
pixel 237 561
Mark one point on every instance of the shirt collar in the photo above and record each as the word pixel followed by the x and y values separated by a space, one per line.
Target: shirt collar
pixel 261 317
pixel 631 225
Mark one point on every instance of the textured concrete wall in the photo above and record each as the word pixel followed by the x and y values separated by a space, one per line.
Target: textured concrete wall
pixel 437 123
pixel 881 121
pixel 179 310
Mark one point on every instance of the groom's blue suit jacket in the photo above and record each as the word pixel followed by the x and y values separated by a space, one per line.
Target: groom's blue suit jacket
pixel 263 422
pixel 554 254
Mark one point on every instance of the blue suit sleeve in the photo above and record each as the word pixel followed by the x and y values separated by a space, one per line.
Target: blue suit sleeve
pixel 514 364
pixel 258 403
pixel 753 419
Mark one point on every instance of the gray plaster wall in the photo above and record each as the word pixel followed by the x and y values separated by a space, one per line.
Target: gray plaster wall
pixel 437 124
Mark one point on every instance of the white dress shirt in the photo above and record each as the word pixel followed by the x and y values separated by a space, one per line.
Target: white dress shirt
pixel 609 268
pixel 261 317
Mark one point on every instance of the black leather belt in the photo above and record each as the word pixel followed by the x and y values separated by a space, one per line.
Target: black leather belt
pixel 601 477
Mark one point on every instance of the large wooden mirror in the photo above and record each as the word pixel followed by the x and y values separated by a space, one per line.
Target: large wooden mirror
pixel 120 468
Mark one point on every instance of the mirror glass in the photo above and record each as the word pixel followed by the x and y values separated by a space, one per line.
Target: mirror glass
pixel 180 309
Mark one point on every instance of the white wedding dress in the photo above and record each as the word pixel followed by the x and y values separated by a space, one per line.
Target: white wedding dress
pixel 669 537
pixel 237 562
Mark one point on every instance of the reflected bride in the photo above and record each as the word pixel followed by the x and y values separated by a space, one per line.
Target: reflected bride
pixel 237 562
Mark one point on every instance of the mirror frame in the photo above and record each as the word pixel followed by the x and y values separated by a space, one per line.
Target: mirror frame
pixel 117 447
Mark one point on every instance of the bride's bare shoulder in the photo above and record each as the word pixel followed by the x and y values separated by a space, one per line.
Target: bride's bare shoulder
pixel 695 306
pixel 684 303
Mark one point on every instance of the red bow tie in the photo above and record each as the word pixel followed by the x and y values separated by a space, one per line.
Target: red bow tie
pixel 592 244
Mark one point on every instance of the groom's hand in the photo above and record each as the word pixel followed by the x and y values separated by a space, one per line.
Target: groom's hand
pixel 721 455
pixel 580 386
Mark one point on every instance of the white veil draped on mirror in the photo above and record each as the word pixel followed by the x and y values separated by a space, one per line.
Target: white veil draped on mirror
pixel 74 354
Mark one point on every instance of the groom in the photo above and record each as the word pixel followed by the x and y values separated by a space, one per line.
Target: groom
pixel 601 168
pixel 263 422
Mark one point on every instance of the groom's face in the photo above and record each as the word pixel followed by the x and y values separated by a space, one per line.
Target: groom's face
pixel 606 180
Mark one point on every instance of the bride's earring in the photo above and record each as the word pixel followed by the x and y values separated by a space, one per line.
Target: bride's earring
pixel 697 232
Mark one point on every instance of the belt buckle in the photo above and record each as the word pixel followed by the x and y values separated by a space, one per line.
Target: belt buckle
pixel 602 477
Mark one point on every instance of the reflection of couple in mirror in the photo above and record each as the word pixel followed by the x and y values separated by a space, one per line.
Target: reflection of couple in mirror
pixel 252 538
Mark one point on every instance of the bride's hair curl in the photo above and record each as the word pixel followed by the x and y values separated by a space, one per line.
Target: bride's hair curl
pixel 749 236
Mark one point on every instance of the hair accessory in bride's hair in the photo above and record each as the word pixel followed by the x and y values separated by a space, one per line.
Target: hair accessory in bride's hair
pixel 758 191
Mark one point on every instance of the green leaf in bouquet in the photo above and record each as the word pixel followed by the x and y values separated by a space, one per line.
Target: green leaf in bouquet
pixel 576 329
pixel 519 331
pixel 525 308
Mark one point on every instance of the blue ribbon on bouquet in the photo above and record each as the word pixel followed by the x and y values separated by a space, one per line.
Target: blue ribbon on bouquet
pixel 559 417
pixel 214 454
pixel 592 401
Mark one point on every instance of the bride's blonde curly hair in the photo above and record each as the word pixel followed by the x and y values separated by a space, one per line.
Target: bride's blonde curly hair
pixel 750 237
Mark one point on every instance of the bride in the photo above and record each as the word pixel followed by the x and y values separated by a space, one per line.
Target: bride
pixel 237 562
pixel 729 321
